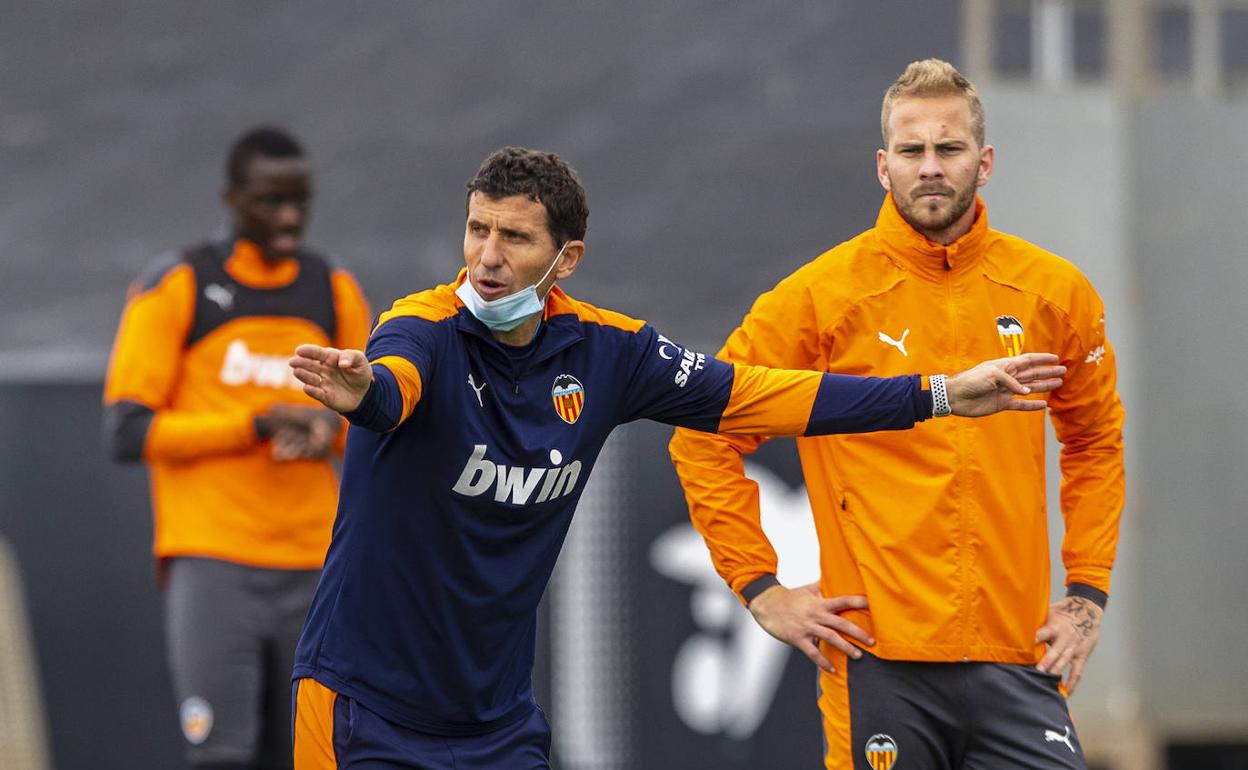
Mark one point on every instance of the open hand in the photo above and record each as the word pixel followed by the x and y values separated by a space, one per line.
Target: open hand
pixel 337 378
pixel 992 386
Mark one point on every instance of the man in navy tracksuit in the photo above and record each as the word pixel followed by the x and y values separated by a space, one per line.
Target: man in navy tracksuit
pixel 477 411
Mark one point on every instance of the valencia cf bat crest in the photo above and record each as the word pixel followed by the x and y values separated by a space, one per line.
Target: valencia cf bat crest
pixel 568 395
pixel 1011 332
pixel 881 752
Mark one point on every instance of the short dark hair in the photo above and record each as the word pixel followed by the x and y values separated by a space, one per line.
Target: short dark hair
pixel 265 141
pixel 542 177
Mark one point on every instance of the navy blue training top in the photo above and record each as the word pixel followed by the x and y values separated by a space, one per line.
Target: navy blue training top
pixel 464 465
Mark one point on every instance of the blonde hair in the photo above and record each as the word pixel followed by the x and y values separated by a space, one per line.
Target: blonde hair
pixel 933 77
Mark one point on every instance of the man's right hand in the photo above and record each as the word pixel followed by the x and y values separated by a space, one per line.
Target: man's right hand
pixel 995 386
pixel 337 378
pixel 802 616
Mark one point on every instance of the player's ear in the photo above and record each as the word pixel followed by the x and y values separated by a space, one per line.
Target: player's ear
pixel 571 258
pixel 881 168
pixel 987 159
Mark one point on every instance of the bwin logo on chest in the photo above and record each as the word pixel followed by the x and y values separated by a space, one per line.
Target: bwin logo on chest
pixel 515 484
pixel 242 367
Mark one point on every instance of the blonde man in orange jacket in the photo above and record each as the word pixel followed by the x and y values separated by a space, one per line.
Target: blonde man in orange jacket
pixel 934 542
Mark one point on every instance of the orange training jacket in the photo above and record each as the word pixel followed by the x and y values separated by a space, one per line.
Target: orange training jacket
pixel 942 527
pixel 201 350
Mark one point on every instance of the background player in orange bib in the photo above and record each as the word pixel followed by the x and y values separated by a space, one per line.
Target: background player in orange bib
pixel 243 492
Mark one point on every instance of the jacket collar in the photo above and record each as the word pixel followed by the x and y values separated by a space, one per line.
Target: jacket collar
pixel 560 328
pixel 912 251
pixel 245 263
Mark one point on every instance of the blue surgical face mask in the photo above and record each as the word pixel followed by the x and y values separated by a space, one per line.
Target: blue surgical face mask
pixel 506 313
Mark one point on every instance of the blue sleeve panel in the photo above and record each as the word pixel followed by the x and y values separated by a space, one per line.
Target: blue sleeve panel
pixel 674 385
pixel 849 404
pixel 382 407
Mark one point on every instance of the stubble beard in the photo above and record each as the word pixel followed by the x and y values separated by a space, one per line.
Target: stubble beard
pixel 921 217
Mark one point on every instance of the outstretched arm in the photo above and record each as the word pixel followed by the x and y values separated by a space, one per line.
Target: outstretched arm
pixel 773 402
pixel 724 504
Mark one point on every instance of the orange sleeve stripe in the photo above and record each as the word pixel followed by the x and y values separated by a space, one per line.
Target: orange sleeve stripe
pixel 177 435
pixel 314 726
pixel 769 402
pixel 408 376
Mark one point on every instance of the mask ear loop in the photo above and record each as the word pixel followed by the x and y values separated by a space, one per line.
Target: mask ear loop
pixel 547 273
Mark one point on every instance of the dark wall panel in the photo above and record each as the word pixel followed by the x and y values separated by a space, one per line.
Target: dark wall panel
pixel 81 529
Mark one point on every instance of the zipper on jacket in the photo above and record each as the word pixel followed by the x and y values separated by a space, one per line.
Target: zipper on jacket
pixel 964 619
pixel 520 367
pixel 518 370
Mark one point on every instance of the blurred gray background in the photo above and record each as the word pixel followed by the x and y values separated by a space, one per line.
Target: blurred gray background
pixel 722 146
